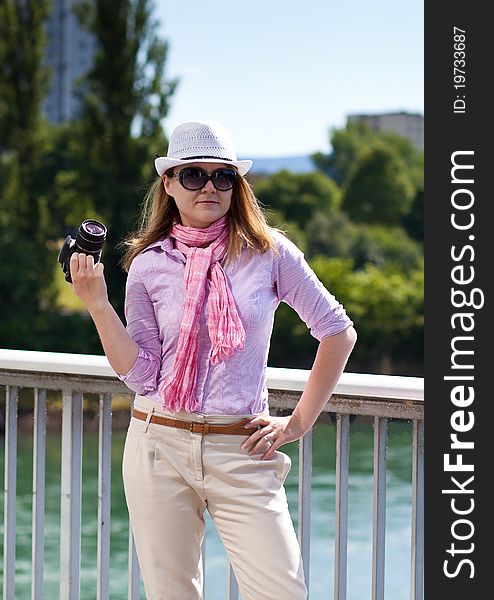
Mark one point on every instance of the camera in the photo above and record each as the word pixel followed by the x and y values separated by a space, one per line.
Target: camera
pixel 89 239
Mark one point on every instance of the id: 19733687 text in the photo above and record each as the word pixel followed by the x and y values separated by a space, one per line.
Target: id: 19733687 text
pixel 459 71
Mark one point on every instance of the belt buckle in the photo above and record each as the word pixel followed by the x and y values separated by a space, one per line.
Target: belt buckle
pixel 202 428
pixel 193 425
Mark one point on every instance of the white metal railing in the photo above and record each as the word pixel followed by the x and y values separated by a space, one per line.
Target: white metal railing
pixel 378 396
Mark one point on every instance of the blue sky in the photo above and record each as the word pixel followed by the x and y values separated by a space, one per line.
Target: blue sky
pixel 280 74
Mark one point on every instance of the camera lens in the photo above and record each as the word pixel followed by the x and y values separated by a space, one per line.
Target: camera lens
pixel 90 237
pixel 93 227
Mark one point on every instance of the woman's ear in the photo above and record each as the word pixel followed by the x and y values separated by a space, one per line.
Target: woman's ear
pixel 166 183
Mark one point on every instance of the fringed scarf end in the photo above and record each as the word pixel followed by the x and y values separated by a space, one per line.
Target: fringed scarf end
pixel 174 400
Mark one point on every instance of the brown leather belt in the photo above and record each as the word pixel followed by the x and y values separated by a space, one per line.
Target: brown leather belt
pixel 204 428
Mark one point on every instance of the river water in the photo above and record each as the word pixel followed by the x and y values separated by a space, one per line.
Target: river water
pixel 398 517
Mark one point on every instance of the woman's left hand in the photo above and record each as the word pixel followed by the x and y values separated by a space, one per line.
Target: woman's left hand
pixel 272 433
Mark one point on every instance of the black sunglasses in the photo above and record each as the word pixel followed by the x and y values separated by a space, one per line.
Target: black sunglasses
pixel 194 178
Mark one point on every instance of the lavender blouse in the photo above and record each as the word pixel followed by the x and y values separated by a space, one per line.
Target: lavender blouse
pixel 259 282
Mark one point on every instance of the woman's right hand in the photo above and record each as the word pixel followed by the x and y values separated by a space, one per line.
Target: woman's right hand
pixel 88 280
pixel 89 284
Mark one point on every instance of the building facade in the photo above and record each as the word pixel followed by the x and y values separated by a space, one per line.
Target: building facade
pixel 409 125
pixel 69 55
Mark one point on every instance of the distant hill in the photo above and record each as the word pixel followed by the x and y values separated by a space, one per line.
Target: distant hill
pixel 295 164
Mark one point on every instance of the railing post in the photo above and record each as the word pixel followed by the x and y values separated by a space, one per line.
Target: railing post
pixel 379 509
pixel 341 529
pixel 10 492
pixel 70 492
pixel 304 500
pixel 104 489
pixel 39 454
pixel 417 566
pixel 366 395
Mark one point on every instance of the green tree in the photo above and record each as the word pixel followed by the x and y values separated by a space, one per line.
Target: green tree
pixel 26 264
pixel 332 235
pixel 350 142
pixel 23 80
pixel 386 305
pixel 379 189
pixel 124 99
pixel 298 196
pixel 346 144
pixel 52 177
pixel 293 230
pixel 414 220
pixel 336 236
pixel 381 245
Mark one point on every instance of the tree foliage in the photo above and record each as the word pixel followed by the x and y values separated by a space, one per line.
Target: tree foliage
pixel 26 266
pixel 297 196
pixel 379 188
pixel 414 220
pixel 386 305
pixel 337 236
pixel 124 98
pixel 362 248
pixel 53 177
pixel 23 80
pixel 364 243
pixel 346 144
pixel 350 142
pixel 331 235
pixel 382 246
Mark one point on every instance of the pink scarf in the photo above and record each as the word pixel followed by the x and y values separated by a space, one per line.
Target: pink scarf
pixel 224 325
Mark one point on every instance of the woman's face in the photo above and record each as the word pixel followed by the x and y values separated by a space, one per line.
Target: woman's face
pixel 199 208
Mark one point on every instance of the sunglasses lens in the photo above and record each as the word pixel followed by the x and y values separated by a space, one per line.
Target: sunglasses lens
pixel 192 178
pixel 224 179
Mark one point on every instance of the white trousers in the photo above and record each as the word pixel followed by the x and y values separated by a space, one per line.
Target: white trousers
pixel 171 476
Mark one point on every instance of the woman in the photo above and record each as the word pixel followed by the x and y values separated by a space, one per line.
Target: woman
pixel 205 275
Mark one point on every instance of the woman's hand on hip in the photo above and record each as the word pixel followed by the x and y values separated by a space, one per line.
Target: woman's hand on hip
pixel 88 280
pixel 271 433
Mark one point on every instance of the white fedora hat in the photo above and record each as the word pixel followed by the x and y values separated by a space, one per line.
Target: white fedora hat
pixel 200 141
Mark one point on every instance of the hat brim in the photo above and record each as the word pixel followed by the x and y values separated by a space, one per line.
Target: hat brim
pixel 162 163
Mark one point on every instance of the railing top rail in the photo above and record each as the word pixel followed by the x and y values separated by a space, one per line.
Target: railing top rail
pixel 350 384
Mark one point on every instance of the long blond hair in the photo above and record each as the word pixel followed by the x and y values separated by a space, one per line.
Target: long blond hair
pixel 248 225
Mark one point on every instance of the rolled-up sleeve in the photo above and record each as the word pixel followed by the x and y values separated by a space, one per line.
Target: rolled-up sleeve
pixel 300 288
pixel 143 329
